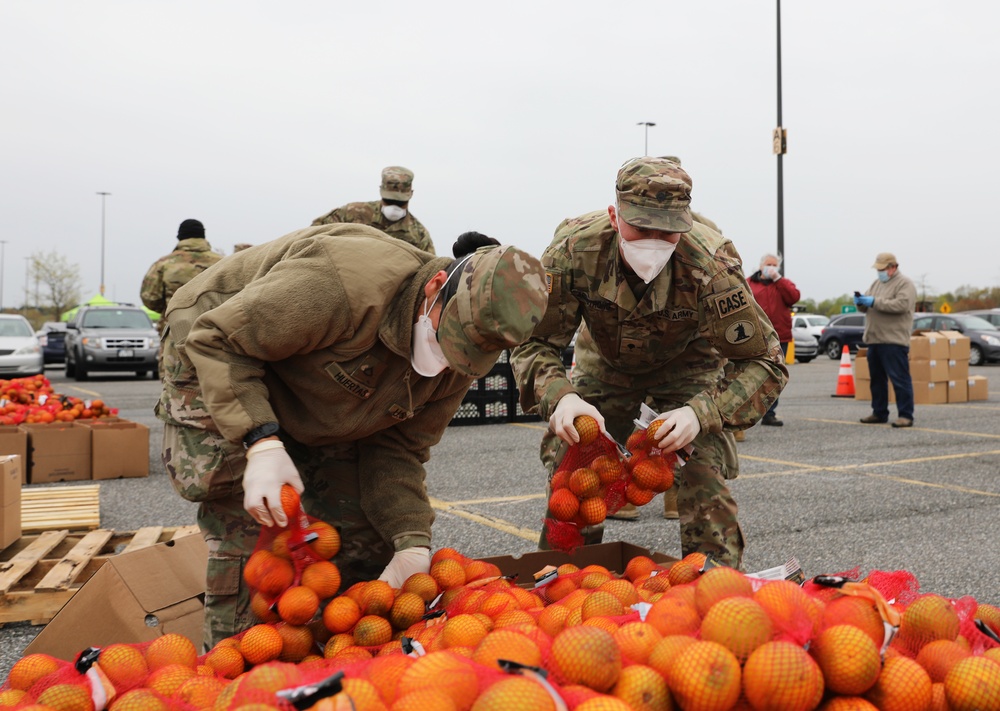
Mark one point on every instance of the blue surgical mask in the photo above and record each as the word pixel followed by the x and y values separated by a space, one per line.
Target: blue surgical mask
pixel 883 275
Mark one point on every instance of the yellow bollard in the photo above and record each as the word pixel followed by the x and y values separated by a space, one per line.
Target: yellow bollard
pixel 790 356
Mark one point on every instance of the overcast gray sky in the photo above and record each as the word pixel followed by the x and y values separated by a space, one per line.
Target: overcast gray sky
pixel 256 117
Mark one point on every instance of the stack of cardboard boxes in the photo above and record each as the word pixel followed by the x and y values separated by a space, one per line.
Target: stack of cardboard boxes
pixel 939 368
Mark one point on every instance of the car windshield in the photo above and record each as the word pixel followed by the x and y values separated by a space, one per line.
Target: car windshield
pixel 14 328
pixel 116 318
pixel 817 320
pixel 975 323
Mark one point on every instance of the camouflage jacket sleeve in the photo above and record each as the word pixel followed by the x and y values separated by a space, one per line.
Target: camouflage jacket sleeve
pixel 737 327
pixel 421 237
pixel 335 216
pixel 152 293
pixel 538 368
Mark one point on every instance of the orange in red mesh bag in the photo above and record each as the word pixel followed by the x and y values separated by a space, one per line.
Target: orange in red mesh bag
pixel 289 570
pixel 589 484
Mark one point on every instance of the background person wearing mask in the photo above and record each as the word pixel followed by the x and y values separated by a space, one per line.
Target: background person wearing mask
pixel 331 360
pixel 889 304
pixel 776 295
pixel 670 323
pixel 391 214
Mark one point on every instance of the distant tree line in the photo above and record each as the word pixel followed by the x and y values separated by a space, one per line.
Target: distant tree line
pixel 965 298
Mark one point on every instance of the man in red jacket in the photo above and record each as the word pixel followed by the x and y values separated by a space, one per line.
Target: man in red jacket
pixel 776 295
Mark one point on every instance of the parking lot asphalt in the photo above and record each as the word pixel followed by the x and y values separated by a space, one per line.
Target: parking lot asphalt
pixel 825 489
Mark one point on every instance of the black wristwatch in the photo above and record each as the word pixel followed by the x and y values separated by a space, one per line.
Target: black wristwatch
pixel 268 429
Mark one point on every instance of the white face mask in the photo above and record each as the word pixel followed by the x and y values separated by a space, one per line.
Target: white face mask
pixel 427 357
pixel 647 257
pixel 393 213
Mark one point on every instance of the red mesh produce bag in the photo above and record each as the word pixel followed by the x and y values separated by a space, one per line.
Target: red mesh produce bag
pixel 290 572
pixel 588 485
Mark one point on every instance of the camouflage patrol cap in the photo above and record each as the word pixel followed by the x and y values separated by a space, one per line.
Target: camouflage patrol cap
pixel 397 183
pixel 499 299
pixel 654 194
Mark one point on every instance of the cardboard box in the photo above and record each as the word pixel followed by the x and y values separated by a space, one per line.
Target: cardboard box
pixel 958 369
pixel 613 556
pixel 118 448
pixel 959 346
pixel 928 345
pixel 10 524
pixel 863 390
pixel 929 371
pixel 10 479
pixel 14 440
pixel 978 386
pixel 925 393
pixel 58 451
pixel 133 598
pixel 861 369
pixel 958 391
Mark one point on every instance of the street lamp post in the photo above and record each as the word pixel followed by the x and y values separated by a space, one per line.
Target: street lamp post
pixel 646 124
pixel 3 243
pixel 103 196
pixel 27 263
pixel 780 147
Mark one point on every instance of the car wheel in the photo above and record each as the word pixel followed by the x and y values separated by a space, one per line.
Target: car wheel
pixel 70 368
pixel 81 371
pixel 834 348
pixel 975 355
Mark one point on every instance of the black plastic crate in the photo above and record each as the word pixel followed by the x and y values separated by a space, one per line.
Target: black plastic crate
pixel 493 384
pixel 490 408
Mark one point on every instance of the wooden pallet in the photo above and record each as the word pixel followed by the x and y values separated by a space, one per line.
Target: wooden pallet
pixel 40 573
pixel 57 507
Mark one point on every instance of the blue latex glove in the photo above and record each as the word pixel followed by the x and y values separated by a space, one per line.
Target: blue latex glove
pixel 866 301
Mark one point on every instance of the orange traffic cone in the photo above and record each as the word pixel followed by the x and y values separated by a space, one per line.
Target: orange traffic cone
pixel 845 377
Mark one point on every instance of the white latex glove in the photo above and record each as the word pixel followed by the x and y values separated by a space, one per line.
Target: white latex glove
pixel 772 273
pixel 568 409
pixel 268 467
pixel 679 429
pixel 405 563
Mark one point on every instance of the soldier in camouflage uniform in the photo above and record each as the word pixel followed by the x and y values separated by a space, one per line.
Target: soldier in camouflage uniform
pixel 671 326
pixel 288 364
pixel 192 255
pixel 391 214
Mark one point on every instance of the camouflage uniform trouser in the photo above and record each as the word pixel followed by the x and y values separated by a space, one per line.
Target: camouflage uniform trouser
pixel 206 468
pixel 708 512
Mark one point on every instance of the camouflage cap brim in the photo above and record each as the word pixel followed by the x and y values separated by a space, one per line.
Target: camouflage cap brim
pixel 649 218
pixel 396 195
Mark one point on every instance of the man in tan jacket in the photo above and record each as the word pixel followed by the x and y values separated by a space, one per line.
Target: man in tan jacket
pixel 332 360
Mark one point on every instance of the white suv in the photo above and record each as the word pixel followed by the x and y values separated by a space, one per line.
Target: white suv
pixel 813 323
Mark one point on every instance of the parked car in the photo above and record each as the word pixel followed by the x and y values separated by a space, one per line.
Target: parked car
pixel 814 323
pixel 20 352
pixel 984 337
pixel 806 347
pixel 110 338
pixel 991 315
pixel 844 329
pixel 52 338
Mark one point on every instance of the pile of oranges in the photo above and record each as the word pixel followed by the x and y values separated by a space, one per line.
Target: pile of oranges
pixel 679 636
pixel 32 400
pixel 594 480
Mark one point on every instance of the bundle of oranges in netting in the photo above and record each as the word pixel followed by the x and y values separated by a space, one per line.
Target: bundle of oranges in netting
pixel 32 400
pixel 594 480
pixel 673 635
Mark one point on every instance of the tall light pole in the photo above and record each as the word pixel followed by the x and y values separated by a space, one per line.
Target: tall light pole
pixel 647 124
pixel 27 263
pixel 779 139
pixel 3 243
pixel 103 196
